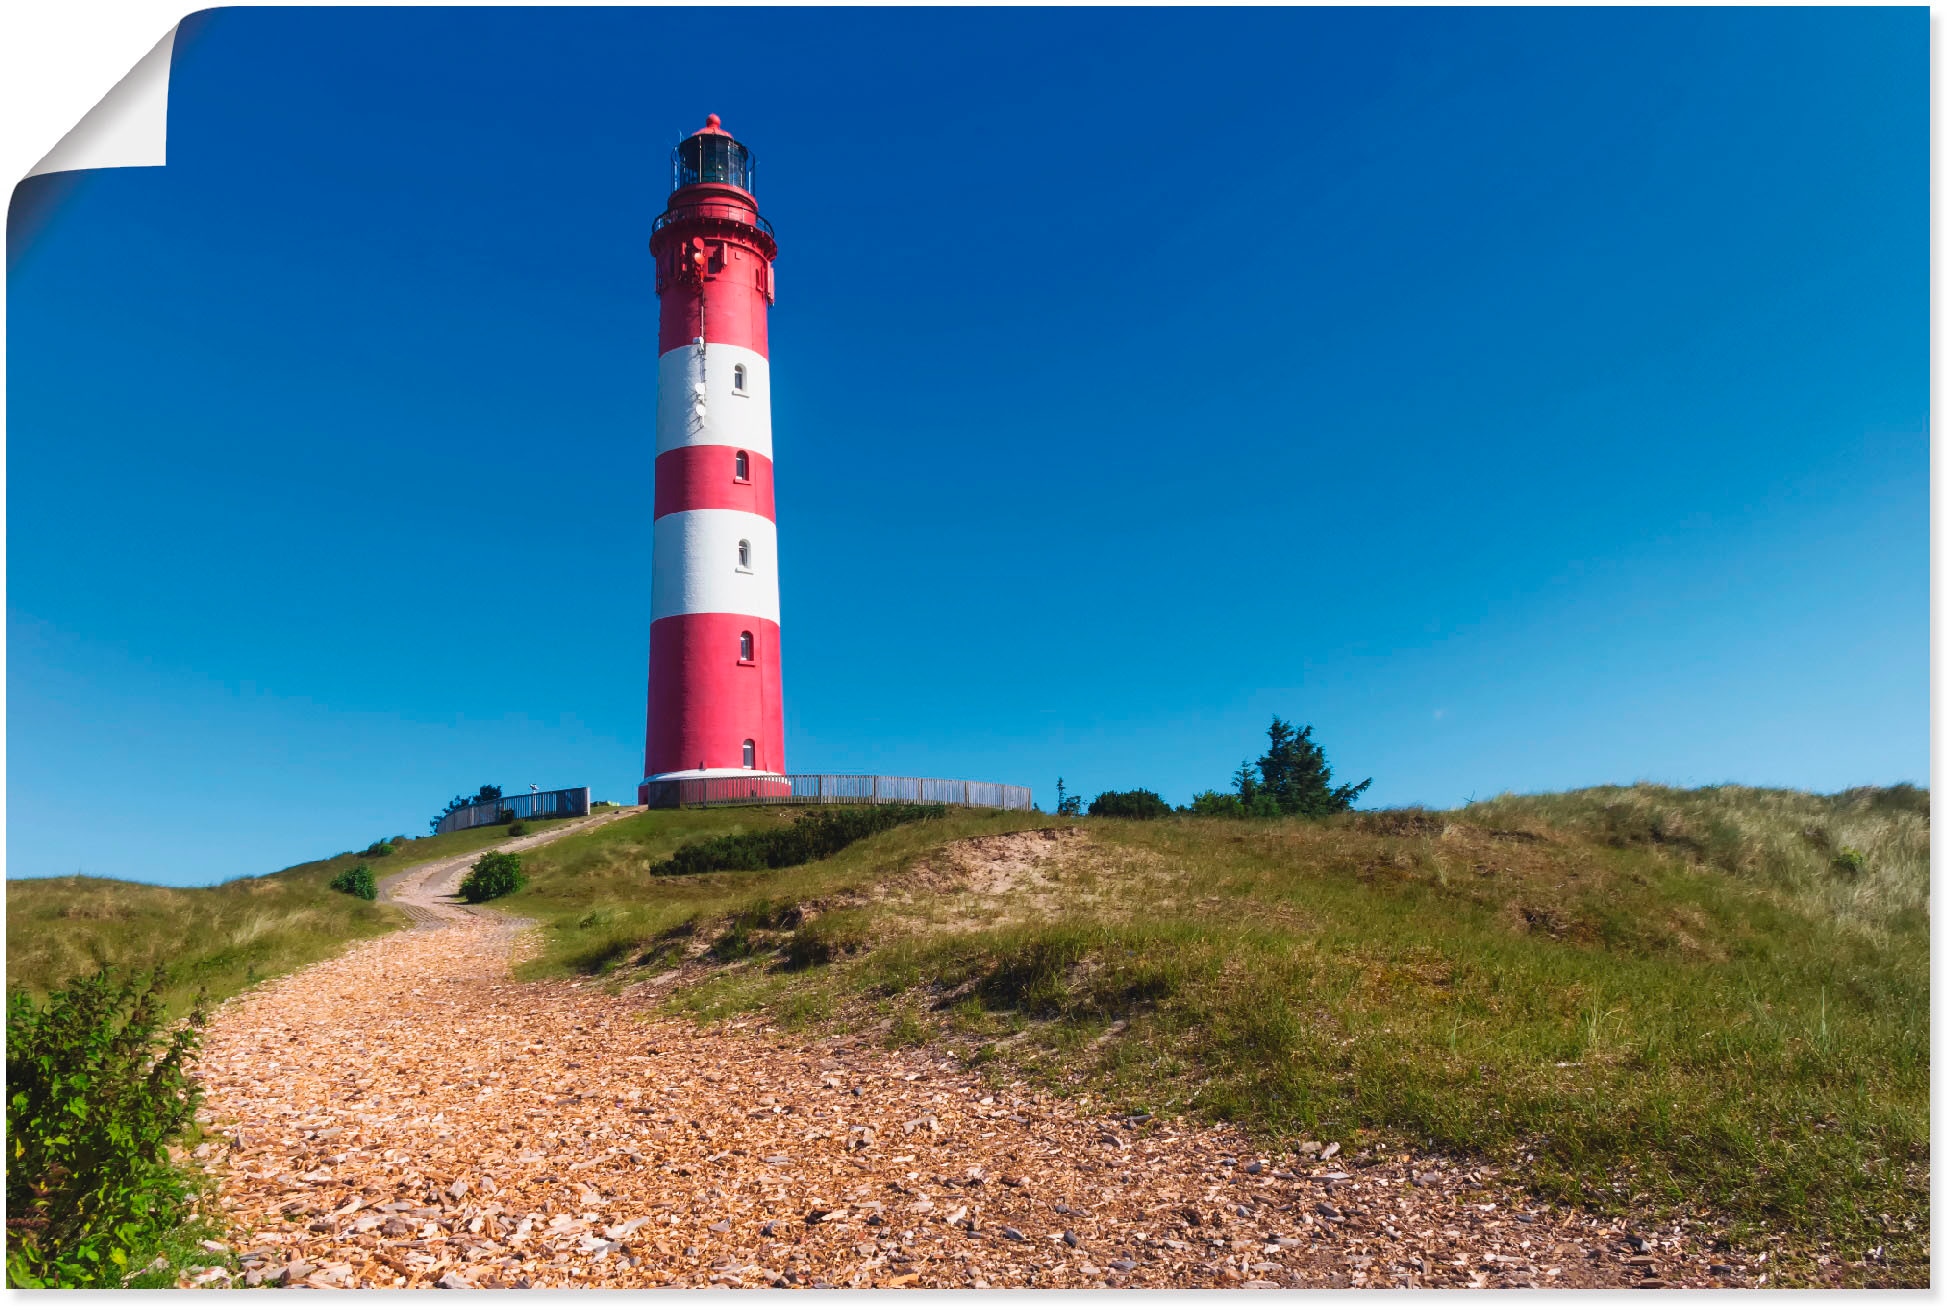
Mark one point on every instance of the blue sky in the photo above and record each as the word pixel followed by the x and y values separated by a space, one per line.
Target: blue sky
pixel 1525 398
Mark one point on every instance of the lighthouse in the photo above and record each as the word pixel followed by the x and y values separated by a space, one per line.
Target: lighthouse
pixel 716 686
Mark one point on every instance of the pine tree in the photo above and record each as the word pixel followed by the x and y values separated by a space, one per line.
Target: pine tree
pixel 1296 776
pixel 1245 781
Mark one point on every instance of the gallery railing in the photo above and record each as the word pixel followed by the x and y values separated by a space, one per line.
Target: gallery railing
pixel 833 789
pixel 567 803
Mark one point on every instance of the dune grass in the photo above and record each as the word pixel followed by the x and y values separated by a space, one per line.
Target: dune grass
pixel 218 939
pixel 1711 1001
pixel 604 909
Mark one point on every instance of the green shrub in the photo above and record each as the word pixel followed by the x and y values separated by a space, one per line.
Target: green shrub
pixel 1137 804
pixel 815 835
pixel 378 848
pixel 498 873
pixel 505 816
pixel 358 882
pixel 1222 804
pixel 517 829
pixel 1230 805
pixel 96 1089
pixel 1849 862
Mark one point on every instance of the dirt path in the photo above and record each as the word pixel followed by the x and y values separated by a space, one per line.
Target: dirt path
pixel 408 1115
pixel 426 891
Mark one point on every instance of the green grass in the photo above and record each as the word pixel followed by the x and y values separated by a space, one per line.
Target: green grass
pixel 605 910
pixel 1635 996
pixel 221 938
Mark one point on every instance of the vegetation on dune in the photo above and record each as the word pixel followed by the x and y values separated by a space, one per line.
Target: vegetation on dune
pixel 606 909
pixel 1858 857
pixel 1637 995
pixel 497 874
pixel 812 835
pixel 1138 804
pixel 218 939
pixel 98 1087
pixel 357 881
pixel 1291 777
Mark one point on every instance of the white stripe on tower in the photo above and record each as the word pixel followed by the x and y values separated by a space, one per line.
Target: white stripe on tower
pixel 697 564
pixel 730 417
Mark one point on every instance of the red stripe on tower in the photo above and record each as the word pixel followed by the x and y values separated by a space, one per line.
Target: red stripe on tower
pixel 715 677
pixel 714 477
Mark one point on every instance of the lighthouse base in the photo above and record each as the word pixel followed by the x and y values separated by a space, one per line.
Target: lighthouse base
pixel 668 791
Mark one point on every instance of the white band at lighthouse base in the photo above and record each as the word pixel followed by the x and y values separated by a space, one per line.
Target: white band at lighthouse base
pixel 729 417
pixel 696 569
pixel 681 775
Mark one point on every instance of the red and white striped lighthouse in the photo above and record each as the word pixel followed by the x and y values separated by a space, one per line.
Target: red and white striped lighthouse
pixel 716 688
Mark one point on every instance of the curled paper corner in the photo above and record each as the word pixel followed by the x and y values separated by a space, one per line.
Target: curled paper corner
pixel 128 127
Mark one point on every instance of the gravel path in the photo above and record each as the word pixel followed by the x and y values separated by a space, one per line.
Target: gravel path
pixel 408 1115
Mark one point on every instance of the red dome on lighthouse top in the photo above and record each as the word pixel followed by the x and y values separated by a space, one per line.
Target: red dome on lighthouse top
pixel 712 126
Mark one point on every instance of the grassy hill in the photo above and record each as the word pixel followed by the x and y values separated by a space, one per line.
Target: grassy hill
pixel 1711 1001
pixel 220 938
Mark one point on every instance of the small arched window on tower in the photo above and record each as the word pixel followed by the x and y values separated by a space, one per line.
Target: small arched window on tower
pixel 743 556
pixel 746 648
pixel 743 466
pixel 750 753
pixel 737 379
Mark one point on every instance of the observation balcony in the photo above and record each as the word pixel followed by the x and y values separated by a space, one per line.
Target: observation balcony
pixel 707 213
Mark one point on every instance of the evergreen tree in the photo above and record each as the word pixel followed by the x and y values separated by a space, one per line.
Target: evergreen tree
pixel 1294 774
pixel 1245 781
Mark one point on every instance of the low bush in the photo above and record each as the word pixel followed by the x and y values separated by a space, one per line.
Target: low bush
pixel 815 835
pixel 505 816
pixel 357 882
pixel 497 874
pixel 378 848
pixel 1221 804
pixel 517 829
pixel 1137 804
pixel 97 1087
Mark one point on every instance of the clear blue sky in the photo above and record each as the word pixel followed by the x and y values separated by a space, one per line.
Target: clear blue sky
pixel 1525 398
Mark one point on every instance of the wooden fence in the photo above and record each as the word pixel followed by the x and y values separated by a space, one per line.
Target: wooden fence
pixel 569 802
pixel 833 789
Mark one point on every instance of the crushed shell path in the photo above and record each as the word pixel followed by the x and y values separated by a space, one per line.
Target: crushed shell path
pixel 407 1115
